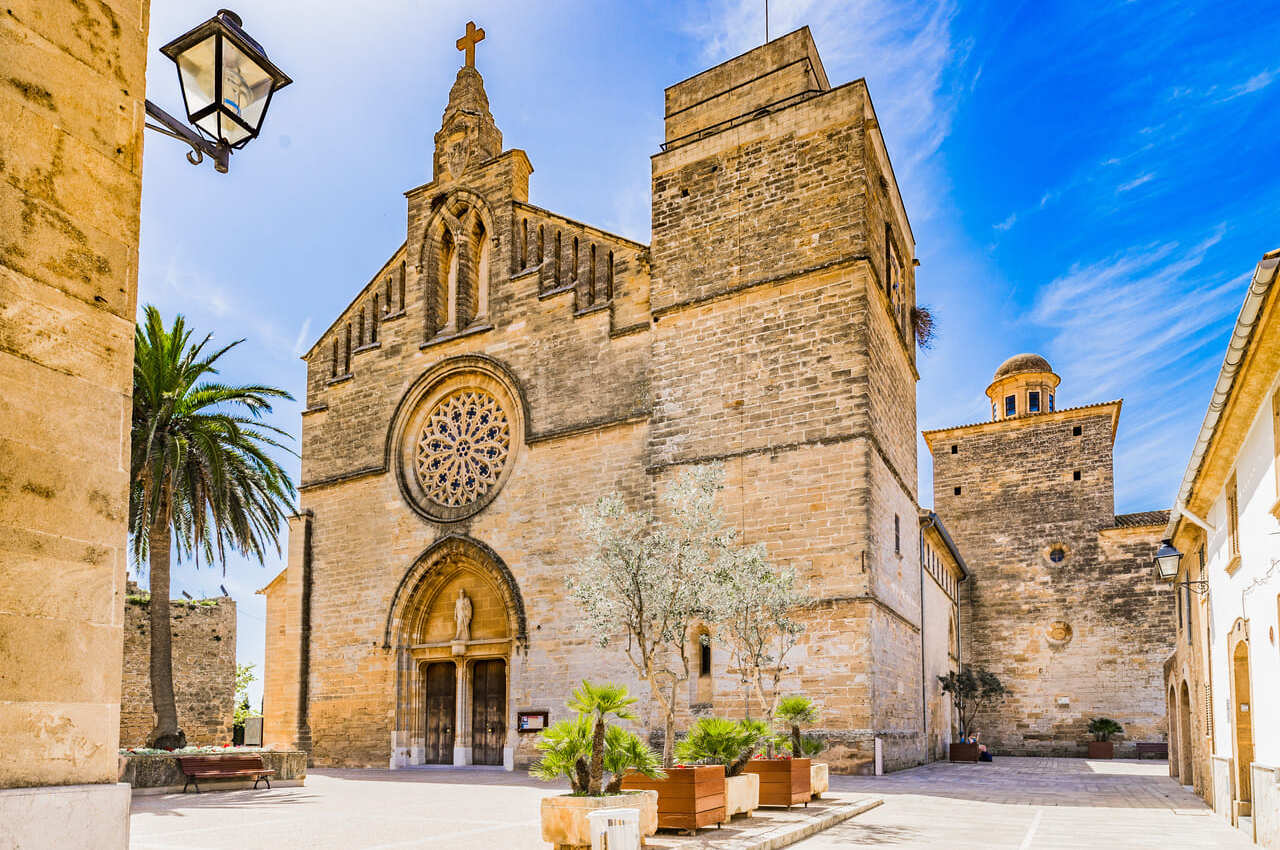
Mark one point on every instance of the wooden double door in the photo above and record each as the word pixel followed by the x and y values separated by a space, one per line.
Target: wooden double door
pixel 488 711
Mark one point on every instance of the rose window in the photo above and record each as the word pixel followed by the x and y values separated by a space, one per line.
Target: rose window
pixel 463 448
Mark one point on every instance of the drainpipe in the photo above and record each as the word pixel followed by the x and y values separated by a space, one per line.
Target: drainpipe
pixel 924 700
pixel 304 641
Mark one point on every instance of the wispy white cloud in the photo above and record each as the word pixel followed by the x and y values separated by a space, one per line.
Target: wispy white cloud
pixel 1141 324
pixel 907 51
pixel 1008 223
pixel 300 344
pixel 1136 182
pixel 1136 313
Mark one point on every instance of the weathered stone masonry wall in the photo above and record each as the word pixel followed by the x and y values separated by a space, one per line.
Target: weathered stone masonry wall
pixel 1073 640
pixel 204 669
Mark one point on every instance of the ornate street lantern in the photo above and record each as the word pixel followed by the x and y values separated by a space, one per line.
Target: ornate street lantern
pixel 227 82
pixel 1167 559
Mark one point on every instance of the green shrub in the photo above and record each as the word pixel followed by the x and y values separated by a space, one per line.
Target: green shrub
pixel 1102 728
pixel 717 740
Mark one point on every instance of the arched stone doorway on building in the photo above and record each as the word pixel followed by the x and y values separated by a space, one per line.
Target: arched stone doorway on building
pixel 1241 715
pixel 455 624
pixel 1186 771
pixel 1175 740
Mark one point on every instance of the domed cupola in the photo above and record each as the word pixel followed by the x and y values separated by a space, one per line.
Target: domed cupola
pixel 1024 385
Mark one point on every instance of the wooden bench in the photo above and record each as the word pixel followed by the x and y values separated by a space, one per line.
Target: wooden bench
pixel 224 767
pixel 1159 749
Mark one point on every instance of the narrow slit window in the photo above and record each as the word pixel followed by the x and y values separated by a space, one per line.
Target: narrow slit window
pixel 401 288
pixel 704 656
pixel 1010 405
pixel 608 279
pixel 897 534
pixel 1033 402
pixel 373 320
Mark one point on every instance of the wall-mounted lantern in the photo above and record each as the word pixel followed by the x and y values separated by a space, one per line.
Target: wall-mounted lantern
pixel 227 83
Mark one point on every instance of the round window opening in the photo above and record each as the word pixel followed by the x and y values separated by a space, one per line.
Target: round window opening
pixel 1057 554
pixel 462 448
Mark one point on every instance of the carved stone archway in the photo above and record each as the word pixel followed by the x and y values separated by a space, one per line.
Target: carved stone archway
pixel 456 621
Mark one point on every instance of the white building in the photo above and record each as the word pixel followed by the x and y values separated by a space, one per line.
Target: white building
pixel 1223 681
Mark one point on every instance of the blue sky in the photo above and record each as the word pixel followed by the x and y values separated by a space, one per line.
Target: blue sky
pixel 1090 181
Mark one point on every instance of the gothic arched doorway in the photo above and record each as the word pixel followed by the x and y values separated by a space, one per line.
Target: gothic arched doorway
pixel 1175 740
pixel 455 621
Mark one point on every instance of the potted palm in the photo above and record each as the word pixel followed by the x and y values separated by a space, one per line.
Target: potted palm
pixel 787 780
pixel 583 750
pixel 1102 728
pixel 717 740
pixel 972 692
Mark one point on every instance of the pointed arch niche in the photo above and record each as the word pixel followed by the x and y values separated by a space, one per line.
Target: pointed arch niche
pixel 453 683
pixel 455 261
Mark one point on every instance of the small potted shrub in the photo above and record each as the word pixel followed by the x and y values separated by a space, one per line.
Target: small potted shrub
pixel 1102 728
pixel 585 749
pixel 786 780
pixel 716 740
pixel 972 692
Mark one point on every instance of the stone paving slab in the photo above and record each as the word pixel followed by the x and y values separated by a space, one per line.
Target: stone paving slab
pixel 1030 804
pixel 770 828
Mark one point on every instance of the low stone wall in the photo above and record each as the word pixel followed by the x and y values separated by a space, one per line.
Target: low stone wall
pixel 204 669
pixel 160 773
pixel 1223 786
pixel 1266 805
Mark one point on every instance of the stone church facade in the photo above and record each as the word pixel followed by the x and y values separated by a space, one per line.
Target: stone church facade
pixel 1062 603
pixel 508 364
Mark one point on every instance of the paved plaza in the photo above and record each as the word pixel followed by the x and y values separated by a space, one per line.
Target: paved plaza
pixel 1015 803
pixel 1030 804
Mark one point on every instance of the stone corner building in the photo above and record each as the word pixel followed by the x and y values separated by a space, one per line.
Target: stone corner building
pixel 204 668
pixel 1062 602
pixel 508 364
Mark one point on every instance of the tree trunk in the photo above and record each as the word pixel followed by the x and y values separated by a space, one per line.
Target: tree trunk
pixel 796 751
pixel 597 758
pixel 166 734
pixel 669 740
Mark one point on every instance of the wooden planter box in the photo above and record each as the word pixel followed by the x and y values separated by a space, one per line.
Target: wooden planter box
pixel 564 818
pixel 1102 749
pixel 783 782
pixel 964 752
pixel 689 798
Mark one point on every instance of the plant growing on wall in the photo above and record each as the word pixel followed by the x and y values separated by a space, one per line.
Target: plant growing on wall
pixel 972 692
pixel 752 608
pixel 644 582
pixel 717 740
pixel 583 749
pixel 242 711
pixel 1102 728
pixel 201 479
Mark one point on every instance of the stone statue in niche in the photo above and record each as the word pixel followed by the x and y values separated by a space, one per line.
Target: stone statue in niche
pixel 462 616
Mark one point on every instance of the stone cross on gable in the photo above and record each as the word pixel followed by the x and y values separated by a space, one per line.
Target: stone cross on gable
pixel 468 43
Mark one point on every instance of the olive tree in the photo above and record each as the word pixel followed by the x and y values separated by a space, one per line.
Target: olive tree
pixel 753 606
pixel 645 580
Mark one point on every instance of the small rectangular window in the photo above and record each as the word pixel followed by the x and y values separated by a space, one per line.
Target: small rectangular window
pixel 1075 432
pixel 1051 401
pixel 704 659
pixel 1076 475
pixel 897 534
pixel 955 449
pixel 1033 402
pixel 1010 405
pixel 957 491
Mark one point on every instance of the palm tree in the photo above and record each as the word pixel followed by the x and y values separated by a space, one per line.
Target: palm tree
pixel 200 478
pixel 598 702
pixel 791 712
